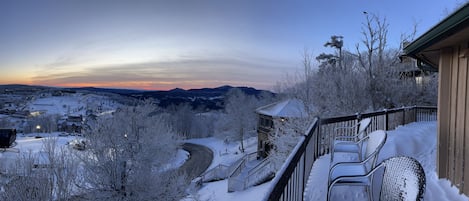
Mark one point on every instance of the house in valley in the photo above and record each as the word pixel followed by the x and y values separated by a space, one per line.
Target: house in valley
pixel 73 124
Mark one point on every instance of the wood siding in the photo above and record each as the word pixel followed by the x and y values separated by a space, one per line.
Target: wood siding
pixel 453 104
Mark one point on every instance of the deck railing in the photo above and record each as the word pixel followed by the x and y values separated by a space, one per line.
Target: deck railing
pixel 291 180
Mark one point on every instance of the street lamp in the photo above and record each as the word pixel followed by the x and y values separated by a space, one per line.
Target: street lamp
pixel 38 128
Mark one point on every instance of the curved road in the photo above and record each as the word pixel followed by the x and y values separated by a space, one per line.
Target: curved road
pixel 199 160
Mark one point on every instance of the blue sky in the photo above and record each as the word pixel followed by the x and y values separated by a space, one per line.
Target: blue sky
pixel 186 44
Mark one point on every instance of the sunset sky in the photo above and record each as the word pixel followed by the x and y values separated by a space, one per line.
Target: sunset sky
pixel 187 44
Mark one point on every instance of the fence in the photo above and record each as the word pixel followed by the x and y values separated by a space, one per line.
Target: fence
pixel 290 181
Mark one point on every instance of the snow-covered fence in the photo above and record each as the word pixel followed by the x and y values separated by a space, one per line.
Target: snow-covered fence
pixel 291 180
pixel 235 181
pixel 264 171
pixel 219 172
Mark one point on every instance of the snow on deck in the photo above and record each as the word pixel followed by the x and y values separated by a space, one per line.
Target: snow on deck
pixel 417 140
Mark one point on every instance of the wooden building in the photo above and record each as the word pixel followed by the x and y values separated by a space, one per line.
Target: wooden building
pixel 7 137
pixel 275 112
pixel 73 124
pixel 446 48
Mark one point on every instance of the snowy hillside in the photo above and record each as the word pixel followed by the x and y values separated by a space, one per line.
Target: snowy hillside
pixel 72 104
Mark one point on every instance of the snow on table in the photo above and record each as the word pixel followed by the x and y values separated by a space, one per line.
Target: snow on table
pixel 417 140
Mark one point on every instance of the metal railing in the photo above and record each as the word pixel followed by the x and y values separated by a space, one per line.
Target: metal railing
pixel 260 173
pixel 219 172
pixel 235 183
pixel 291 180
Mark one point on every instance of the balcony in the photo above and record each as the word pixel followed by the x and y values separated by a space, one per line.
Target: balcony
pixel 303 175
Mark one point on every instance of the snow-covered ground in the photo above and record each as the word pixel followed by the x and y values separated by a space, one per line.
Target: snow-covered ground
pixel 75 104
pixel 417 140
pixel 181 158
pixel 31 143
pixel 227 153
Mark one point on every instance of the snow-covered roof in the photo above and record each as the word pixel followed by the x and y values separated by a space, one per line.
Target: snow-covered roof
pixel 286 108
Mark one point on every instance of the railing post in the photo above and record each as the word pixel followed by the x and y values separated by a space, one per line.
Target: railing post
pixel 386 119
pixel 317 148
pixel 403 115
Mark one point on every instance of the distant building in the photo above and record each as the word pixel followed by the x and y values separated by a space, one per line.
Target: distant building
pixel 7 137
pixel 73 124
pixel 279 111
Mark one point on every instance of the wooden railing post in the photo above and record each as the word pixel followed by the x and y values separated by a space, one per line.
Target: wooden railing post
pixel 386 120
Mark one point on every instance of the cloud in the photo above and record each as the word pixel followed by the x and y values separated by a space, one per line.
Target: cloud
pixel 185 73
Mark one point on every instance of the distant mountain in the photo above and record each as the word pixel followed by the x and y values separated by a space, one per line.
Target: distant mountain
pixel 209 98
pixel 108 90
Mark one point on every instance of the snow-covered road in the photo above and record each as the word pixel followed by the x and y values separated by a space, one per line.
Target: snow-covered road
pixel 200 158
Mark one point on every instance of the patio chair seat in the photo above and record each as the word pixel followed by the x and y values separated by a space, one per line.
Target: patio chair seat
pixel 349 169
pixel 353 173
pixel 345 146
pixel 403 179
pixel 352 144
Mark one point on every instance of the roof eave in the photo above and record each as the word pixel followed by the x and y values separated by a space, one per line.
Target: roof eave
pixel 440 31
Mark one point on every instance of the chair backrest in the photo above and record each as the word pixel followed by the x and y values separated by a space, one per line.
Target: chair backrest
pixel 363 125
pixel 375 142
pixel 403 179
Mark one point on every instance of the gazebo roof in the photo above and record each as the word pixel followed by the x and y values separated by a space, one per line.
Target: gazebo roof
pixel 286 108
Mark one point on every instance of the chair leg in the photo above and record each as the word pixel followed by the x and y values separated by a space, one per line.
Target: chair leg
pixel 370 193
pixel 328 198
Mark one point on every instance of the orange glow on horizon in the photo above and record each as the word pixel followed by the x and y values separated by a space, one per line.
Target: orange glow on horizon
pixel 150 86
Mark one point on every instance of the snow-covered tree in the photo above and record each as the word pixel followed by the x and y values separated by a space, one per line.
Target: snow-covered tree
pixel 369 79
pixel 25 182
pixel 46 175
pixel 284 138
pixel 125 155
pixel 240 109
pixel 182 116
pixel 61 166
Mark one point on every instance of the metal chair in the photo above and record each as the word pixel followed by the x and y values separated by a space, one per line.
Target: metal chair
pixel 403 179
pixel 350 143
pixel 375 141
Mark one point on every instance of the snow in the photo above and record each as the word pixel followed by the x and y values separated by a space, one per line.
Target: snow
pixel 181 158
pixel 75 104
pixel 227 153
pixel 287 108
pixel 417 140
pixel 33 143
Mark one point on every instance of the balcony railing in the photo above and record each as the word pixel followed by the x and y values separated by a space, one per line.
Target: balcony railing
pixel 290 181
